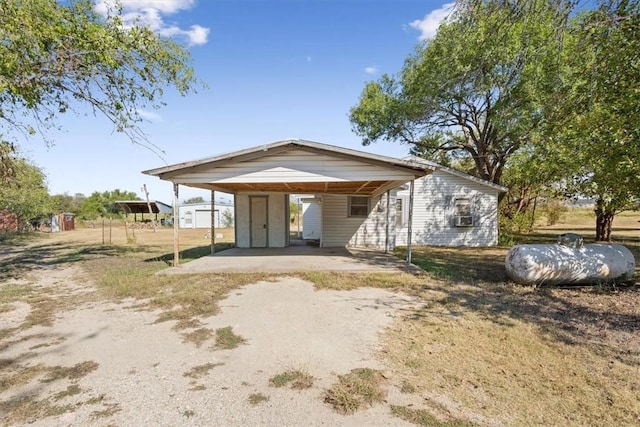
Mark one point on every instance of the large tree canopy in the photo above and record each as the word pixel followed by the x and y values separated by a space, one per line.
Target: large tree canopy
pixel 58 56
pixel 27 195
pixel 594 124
pixel 474 89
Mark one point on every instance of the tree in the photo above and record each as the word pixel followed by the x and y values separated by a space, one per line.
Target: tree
pixel 102 204
pixel 594 131
pixel 57 56
pixel 194 200
pixel 67 203
pixel 26 195
pixel 474 89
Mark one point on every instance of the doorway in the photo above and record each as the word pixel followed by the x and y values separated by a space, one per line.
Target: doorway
pixel 259 220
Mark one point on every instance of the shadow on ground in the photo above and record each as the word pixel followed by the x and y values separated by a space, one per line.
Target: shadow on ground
pixel 17 260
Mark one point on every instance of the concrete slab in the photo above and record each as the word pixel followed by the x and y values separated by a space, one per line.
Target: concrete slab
pixel 294 259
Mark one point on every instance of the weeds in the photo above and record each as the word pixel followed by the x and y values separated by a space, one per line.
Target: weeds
pixel 257 398
pixel 226 339
pixel 421 417
pixel 197 336
pixel 296 379
pixel 360 388
pixel 201 371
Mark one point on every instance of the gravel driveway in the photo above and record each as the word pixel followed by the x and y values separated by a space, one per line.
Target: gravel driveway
pixel 136 367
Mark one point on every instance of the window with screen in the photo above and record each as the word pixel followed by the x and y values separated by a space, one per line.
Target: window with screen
pixel 463 213
pixel 358 206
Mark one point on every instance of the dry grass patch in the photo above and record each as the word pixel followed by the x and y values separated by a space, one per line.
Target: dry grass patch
pixel 201 370
pixel 198 336
pixel 296 379
pixel 28 409
pixel 421 417
pixel 109 411
pixel 14 375
pixel 226 339
pixel 257 398
pixel 71 390
pixel 180 297
pixel 350 281
pixel 73 373
pixel 512 371
pixel 358 389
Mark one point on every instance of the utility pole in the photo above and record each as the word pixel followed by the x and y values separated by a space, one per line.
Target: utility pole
pixel 146 193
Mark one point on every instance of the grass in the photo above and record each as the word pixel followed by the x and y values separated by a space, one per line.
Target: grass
pixel 421 417
pixel 356 390
pixel 71 390
pixel 73 373
pixel 197 336
pixel 257 398
pixel 226 339
pixel 296 379
pixel 349 281
pixel 201 371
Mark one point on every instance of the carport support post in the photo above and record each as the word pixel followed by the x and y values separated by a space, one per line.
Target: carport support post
pixel 213 222
pixel 176 224
pixel 386 231
pixel 410 223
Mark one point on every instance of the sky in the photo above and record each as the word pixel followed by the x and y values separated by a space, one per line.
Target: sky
pixel 274 70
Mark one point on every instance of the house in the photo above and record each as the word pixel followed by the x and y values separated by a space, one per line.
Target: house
pixel 360 198
pixel 355 189
pixel 450 208
pixel 198 215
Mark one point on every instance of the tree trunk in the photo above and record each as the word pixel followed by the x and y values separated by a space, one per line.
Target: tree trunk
pixel 604 220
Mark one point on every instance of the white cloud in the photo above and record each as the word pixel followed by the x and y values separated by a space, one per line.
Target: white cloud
pixel 428 26
pixel 150 115
pixel 371 70
pixel 150 13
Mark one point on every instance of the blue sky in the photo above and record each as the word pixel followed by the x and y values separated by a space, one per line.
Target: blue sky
pixel 275 69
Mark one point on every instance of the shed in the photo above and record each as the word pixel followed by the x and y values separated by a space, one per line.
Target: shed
pixel 198 215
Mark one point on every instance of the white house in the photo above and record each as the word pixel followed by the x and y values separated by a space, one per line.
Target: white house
pixel 354 187
pixel 450 208
pixel 198 215
pixel 354 198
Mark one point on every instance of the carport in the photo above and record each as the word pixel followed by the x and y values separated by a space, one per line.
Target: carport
pixel 262 178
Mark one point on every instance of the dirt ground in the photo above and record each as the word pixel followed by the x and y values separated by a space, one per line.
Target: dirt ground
pixel 459 346
pixel 68 357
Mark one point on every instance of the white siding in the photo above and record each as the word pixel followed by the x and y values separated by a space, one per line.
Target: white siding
pixel 338 229
pixel 295 166
pixel 311 219
pixel 278 220
pixel 434 215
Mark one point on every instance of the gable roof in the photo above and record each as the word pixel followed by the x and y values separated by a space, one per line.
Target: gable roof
pixel 295 166
pixel 281 146
pixel 457 173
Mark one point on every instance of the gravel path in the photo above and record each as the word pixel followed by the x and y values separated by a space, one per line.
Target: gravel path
pixel 141 365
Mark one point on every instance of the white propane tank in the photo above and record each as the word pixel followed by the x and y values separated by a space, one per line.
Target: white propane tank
pixel 553 264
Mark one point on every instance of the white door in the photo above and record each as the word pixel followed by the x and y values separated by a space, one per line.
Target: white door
pixel 259 217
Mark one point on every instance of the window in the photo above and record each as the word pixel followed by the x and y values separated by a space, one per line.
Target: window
pixel 402 211
pixel 358 206
pixel 188 218
pixel 463 213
